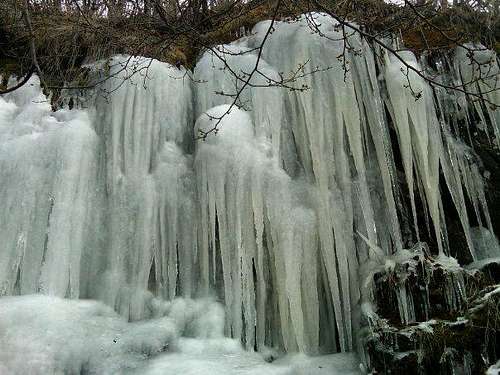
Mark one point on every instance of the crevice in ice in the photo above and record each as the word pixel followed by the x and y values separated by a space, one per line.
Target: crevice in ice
pixel 47 228
pixel 152 278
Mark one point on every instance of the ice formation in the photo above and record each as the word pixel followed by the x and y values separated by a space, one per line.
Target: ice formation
pixel 42 335
pixel 34 334
pixel 272 216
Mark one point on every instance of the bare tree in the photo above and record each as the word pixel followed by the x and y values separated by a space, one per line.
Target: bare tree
pixel 178 31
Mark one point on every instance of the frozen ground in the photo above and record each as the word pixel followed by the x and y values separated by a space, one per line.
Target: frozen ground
pixel 49 335
pixel 197 357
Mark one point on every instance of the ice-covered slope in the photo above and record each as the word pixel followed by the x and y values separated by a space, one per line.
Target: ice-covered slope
pixel 272 216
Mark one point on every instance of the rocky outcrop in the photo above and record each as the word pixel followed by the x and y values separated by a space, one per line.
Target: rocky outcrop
pixel 433 317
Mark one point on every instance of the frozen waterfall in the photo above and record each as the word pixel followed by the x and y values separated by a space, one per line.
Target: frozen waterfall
pixel 272 216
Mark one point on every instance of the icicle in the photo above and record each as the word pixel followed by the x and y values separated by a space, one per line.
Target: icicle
pixel 478 68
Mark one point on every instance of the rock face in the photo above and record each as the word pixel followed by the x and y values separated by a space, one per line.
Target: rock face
pixel 448 321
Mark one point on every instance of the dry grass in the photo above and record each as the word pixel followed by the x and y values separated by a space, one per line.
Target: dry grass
pixel 64 41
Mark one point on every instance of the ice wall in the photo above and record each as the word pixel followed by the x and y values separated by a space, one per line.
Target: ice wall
pixel 273 215
pixel 47 174
pixel 147 222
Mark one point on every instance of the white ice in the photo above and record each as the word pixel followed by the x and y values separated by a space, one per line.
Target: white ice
pixel 42 335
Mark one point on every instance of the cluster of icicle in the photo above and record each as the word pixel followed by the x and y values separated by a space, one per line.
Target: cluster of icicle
pixel 409 273
pixel 272 215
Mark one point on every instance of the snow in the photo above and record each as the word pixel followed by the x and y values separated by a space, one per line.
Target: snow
pixel 223 361
pixel 494 369
pixel 49 335
pixel 488 295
